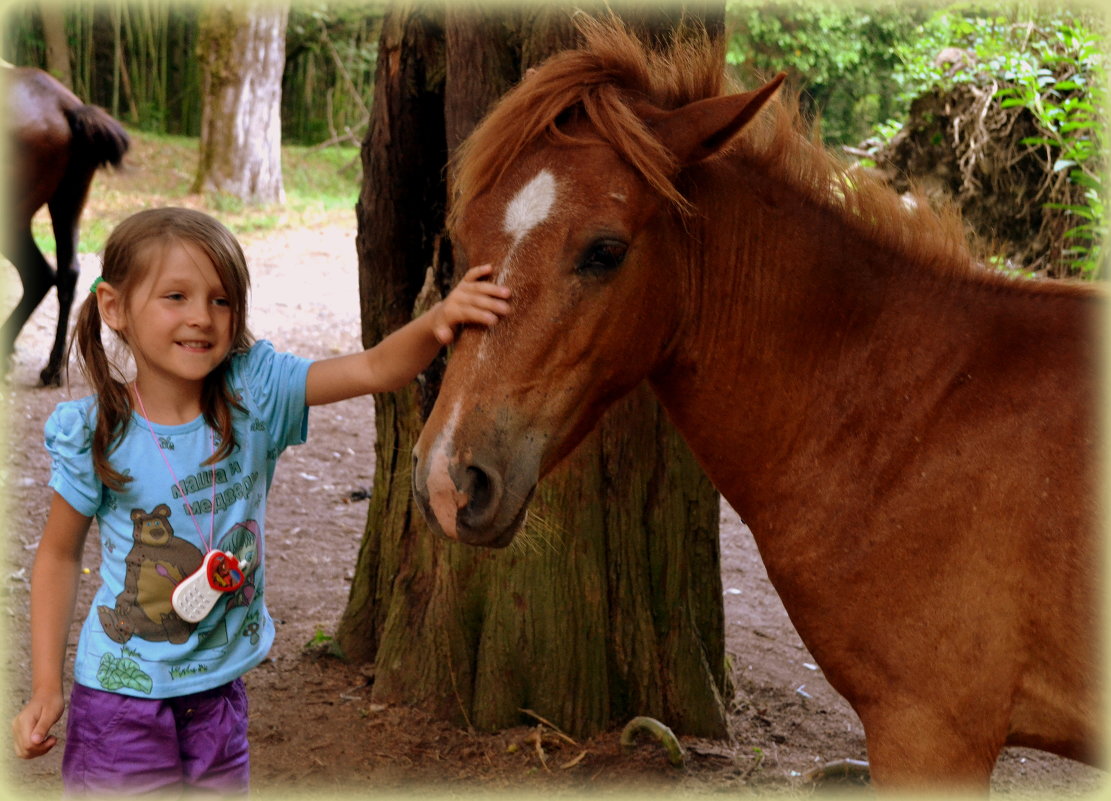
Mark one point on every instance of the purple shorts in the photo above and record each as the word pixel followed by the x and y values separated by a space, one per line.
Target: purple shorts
pixel 121 744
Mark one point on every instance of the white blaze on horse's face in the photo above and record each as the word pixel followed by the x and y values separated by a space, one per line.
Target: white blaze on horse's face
pixel 526 211
pixel 531 206
pixel 443 496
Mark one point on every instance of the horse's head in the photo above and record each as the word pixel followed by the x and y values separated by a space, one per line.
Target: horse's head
pixel 580 221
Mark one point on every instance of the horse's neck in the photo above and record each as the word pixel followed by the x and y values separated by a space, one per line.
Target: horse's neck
pixel 802 334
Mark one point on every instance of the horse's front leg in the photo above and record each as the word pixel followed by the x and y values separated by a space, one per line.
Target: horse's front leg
pixel 36 275
pixel 918 746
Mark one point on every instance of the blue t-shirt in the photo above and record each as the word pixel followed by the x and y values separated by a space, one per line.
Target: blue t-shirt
pixel 133 642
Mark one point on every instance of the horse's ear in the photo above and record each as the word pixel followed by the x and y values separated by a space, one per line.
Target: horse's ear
pixel 698 130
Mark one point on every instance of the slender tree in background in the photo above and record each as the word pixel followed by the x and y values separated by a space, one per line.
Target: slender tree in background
pixel 242 49
pixel 57 45
pixel 611 606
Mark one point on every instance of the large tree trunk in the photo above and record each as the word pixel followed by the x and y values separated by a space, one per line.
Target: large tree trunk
pixel 242 48
pixel 610 605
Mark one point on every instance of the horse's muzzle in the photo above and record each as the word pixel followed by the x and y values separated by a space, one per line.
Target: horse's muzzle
pixel 473 501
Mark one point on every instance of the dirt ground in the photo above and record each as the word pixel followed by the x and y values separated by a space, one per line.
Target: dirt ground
pixel 314 731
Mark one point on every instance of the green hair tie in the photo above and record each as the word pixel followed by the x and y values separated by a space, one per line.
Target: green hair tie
pixel 99 280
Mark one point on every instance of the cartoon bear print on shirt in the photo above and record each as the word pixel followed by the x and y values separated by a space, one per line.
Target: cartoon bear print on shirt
pixel 156 563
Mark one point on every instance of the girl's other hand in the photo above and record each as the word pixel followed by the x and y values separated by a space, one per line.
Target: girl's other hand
pixel 474 301
pixel 32 725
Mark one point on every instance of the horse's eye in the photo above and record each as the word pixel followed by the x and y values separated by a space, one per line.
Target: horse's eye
pixel 602 258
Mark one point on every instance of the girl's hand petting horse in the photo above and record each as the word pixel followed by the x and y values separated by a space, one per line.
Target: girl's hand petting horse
pixel 473 301
pixel 400 357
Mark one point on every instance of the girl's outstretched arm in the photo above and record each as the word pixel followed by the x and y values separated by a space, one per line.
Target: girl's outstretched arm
pixel 400 357
pixel 54 581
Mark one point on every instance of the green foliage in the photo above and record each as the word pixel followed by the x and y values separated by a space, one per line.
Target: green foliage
pixel 1052 63
pixel 133 57
pixel 1065 89
pixel 843 56
pixel 328 83
pixel 865 63
pixel 137 59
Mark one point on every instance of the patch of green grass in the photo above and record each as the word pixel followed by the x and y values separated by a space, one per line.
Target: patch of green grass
pixel 320 638
pixel 323 643
pixel 327 179
pixel 159 170
pixel 94 233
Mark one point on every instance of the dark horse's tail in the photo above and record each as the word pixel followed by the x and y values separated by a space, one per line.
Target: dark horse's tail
pixel 104 140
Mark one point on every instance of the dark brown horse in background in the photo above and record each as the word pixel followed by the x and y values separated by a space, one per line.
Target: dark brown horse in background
pixel 57 143
pixel 911 437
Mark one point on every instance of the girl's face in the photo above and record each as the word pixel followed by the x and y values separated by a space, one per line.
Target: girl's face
pixel 176 319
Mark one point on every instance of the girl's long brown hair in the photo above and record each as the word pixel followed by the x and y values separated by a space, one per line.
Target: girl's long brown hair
pixel 126 260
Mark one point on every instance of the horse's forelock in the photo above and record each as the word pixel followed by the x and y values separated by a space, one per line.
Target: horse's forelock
pixel 604 80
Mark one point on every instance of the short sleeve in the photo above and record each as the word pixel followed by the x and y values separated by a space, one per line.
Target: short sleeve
pixel 68 435
pixel 275 383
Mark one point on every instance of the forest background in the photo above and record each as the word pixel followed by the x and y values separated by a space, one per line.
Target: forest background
pixel 861 67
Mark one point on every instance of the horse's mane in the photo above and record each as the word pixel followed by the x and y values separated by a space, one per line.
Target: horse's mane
pixel 613 71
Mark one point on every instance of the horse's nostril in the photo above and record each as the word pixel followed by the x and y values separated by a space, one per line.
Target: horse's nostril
pixel 482 489
pixel 479 489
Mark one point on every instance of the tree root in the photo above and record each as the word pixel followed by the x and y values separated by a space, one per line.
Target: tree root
pixel 675 753
pixel 841 771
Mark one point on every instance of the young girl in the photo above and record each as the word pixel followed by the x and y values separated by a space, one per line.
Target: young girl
pixel 176 465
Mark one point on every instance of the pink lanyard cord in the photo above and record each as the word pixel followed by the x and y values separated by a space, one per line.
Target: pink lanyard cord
pixel 210 541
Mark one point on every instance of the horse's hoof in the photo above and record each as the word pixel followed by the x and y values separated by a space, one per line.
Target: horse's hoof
pixel 51 378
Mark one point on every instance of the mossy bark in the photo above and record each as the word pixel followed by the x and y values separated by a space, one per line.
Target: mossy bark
pixel 242 52
pixel 609 605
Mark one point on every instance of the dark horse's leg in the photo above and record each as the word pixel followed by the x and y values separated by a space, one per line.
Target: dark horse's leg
pixel 37 277
pixel 65 214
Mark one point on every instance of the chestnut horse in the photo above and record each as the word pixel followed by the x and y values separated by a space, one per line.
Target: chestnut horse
pixel 910 436
pixel 57 143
